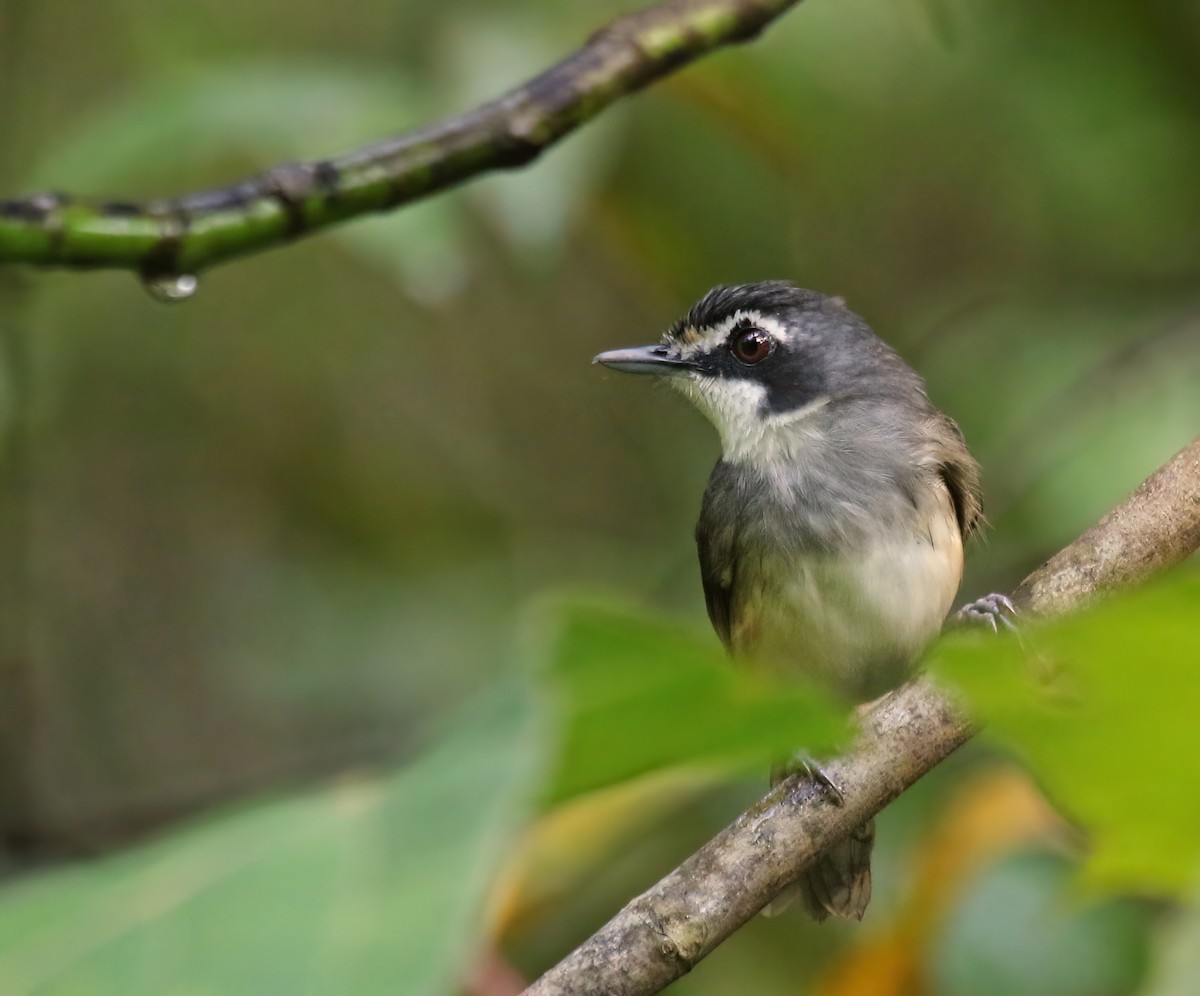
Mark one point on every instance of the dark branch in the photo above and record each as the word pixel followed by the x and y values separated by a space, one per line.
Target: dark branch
pixel 664 932
pixel 186 234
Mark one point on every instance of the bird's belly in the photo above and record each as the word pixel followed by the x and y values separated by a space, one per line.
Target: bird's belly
pixel 857 621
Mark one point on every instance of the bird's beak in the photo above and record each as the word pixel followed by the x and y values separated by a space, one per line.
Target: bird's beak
pixel 658 359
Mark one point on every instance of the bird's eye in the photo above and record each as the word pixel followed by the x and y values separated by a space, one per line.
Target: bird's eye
pixel 751 345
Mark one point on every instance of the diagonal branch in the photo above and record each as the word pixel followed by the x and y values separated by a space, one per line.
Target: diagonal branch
pixel 186 234
pixel 660 935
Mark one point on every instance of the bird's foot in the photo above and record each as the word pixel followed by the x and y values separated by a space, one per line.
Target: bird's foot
pixel 993 610
pixel 802 764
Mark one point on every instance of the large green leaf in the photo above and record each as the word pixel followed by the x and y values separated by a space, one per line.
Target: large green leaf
pixel 635 694
pixel 371 886
pixel 1104 706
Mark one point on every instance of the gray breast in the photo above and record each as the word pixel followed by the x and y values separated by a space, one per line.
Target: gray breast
pixel 842 564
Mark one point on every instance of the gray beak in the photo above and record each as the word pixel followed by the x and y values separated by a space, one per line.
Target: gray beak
pixel 643 360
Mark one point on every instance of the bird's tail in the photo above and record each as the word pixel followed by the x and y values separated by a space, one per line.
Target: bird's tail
pixel 838 882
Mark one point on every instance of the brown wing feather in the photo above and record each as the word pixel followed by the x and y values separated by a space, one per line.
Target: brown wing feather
pixel 961 473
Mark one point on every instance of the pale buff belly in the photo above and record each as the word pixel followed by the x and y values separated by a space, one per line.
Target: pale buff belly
pixel 858 621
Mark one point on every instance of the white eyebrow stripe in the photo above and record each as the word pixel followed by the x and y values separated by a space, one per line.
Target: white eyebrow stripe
pixel 706 340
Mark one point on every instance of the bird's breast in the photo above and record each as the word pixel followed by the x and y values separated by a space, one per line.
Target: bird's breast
pixel 856 618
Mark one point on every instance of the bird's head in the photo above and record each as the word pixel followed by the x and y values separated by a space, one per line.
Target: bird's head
pixel 759 359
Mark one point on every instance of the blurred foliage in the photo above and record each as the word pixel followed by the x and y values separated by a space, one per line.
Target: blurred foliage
pixel 309 895
pixel 618 671
pixel 282 532
pixel 1038 945
pixel 1103 705
pixel 1178 961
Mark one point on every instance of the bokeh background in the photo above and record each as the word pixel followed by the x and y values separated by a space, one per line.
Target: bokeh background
pixel 274 558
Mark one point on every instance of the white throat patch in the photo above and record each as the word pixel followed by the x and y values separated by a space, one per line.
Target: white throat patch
pixel 749 434
pixel 736 406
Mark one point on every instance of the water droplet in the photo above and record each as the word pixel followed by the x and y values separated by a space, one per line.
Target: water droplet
pixel 170 287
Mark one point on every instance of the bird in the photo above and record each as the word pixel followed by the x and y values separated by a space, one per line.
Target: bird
pixel 832 528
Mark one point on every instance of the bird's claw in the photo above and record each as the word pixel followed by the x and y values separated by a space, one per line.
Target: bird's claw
pixel 993 610
pixel 814 773
pixel 832 790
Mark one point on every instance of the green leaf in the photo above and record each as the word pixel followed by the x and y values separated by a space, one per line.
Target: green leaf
pixel 1104 707
pixel 636 694
pixel 371 886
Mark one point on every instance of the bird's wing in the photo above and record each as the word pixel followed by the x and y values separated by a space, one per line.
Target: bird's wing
pixel 716 571
pixel 960 471
pixel 715 544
